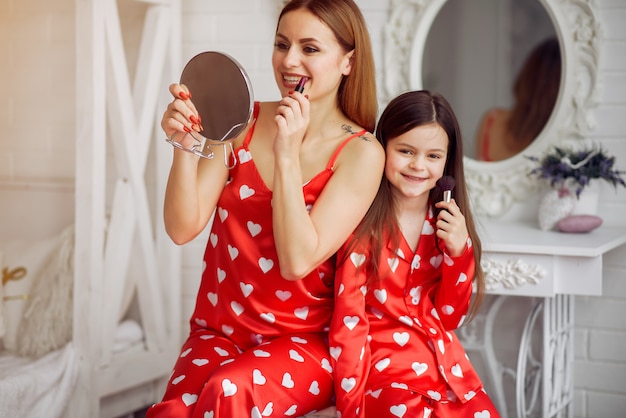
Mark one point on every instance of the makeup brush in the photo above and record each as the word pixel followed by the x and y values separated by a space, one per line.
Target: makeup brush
pixel 446 183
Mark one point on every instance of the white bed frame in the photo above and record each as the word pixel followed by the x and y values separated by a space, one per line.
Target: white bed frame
pixel 118 208
pixel 115 202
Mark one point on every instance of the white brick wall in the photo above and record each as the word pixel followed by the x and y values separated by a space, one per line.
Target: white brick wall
pixel 37 84
pixel 600 327
pixel 600 354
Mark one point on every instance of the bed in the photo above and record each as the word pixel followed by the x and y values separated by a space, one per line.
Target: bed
pixel 90 301
pixel 40 378
pixel 48 367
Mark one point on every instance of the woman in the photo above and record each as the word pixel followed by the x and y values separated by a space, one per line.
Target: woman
pixel 404 281
pixel 504 133
pixel 258 340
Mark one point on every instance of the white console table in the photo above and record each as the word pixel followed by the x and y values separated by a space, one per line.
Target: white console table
pixel 519 259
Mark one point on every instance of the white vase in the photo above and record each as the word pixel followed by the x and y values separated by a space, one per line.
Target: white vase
pixel 554 206
pixel 587 202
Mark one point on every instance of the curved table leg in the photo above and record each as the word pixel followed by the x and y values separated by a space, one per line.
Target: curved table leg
pixel 544 384
pixel 529 368
pixel 558 360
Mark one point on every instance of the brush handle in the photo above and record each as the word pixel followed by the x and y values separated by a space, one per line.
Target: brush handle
pixel 447 195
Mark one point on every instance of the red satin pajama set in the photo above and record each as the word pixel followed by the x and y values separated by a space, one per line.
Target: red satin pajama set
pixel 258 343
pixel 391 340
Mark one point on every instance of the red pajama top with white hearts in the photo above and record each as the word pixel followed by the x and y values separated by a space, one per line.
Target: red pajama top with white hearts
pixel 397 333
pixel 242 294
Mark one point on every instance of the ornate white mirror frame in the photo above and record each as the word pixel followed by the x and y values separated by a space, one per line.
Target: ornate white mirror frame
pixel 496 186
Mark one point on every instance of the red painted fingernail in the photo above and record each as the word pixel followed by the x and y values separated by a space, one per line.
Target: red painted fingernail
pixel 194 119
pixel 306 96
pixel 182 95
pixel 186 129
pixel 291 92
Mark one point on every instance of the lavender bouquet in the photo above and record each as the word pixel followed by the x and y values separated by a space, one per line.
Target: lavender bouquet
pixel 577 168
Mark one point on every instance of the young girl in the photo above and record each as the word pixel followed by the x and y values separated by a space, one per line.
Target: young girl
pixel 258 340
pixel 404 280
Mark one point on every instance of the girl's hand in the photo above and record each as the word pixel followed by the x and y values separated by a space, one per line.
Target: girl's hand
pixel 330 412
pixel 451 227
pixel 292 120
pixel 181 116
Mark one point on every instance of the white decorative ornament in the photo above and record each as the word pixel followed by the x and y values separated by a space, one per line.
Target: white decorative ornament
pixel 512 274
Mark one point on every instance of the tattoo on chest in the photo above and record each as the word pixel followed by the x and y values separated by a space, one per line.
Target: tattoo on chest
pixel 351 131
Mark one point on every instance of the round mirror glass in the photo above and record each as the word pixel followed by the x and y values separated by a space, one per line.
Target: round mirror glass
pixel 221 92
pixel 476 52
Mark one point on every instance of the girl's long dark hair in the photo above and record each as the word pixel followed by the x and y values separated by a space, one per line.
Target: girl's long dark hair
pixel 407 111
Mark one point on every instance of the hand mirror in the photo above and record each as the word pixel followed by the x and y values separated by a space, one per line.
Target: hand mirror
pixel 222 93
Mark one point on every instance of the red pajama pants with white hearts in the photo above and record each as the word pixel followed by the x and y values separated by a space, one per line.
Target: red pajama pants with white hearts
pixel 289 376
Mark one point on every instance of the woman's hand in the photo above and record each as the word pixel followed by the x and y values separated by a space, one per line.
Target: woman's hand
pixel 292 120
pixel 181 117
pixel 451 227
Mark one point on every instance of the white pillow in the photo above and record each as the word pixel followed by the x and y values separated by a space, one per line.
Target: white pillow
pixel 32 256
pixel 46 323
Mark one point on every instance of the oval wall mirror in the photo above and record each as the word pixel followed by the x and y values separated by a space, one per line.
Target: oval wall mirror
pixel 517 46
pixel 418 31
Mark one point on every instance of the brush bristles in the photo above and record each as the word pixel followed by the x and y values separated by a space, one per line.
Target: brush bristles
pixel 446 183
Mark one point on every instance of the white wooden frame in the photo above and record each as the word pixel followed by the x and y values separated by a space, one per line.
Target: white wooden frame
pixel 119 117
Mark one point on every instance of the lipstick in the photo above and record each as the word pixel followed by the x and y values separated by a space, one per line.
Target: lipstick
pixel 300 87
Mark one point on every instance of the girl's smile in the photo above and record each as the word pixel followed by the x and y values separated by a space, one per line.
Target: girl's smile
pixel 416 160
